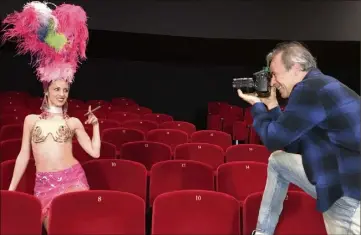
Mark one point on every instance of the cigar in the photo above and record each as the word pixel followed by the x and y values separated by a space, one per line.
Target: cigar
pixel 92 111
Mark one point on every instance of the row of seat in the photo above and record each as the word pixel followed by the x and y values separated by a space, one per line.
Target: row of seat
pixel 120 135
pixel 186 212
pixel 149 152
pixel 223 117
pixel 238 179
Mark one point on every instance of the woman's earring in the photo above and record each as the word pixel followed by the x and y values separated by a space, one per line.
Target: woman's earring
pixel 44 104
pixel 65 107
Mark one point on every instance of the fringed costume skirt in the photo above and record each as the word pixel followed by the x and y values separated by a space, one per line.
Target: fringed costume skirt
pixel 48 185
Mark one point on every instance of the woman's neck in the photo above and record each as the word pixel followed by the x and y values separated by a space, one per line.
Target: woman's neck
pixel 54 110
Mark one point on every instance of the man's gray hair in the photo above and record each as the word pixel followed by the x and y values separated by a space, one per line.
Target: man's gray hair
pixel 293 53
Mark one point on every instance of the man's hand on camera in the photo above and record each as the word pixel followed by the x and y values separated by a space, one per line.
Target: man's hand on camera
pixel 249 98
pixel 271 101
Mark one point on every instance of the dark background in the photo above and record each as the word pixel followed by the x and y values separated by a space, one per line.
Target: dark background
pixel 167 55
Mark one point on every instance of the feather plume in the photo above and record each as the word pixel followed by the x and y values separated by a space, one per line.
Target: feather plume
pixel 56 39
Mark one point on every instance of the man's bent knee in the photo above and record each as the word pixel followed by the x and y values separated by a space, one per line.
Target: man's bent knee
pixel 276 158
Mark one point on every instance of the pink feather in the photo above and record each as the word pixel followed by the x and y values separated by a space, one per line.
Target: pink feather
pixel 50 64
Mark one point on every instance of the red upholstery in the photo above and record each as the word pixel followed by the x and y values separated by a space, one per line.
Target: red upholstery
pixel 97 212
pixel 140 110
pixel 253 137
pixel 26 183
pixel 106 124
pixel 9 149
pixel 240 131
pixel 187 127
pixel 219 138
pixel 107 151
pixel 119 175
pixel 248 152
pixel 146 152
pixel 20 214
pixel 79 113
pixel 13 131
pixel 196 212
pixel 299 215
pixel 210 154
pixel 119 136
pixel 174 175
pixel 171 137
pixel 123 116
pixel 8 119
pixel 158 117
pixel 240 179
pixel 214 122
pixel 12 103
pixel 142 125
pixel 248 116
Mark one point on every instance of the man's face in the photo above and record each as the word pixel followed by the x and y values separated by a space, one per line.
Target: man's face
pixel 282 79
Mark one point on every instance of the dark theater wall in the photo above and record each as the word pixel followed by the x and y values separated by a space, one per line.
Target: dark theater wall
pixel 174 74
pixel 336 20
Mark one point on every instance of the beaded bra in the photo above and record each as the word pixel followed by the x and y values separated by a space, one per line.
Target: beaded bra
pixel 58 129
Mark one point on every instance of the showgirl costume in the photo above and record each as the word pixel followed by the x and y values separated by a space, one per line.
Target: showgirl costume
pixel 56 40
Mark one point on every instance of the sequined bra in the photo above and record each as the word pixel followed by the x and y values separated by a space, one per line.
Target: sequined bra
pixel 58 129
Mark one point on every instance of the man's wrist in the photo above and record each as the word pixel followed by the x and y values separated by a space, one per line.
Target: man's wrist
pixel 272 105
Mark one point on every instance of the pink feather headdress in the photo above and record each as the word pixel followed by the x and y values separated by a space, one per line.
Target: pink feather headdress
pixel 55 39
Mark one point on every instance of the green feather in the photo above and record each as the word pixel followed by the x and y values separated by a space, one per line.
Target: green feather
pixel 54 39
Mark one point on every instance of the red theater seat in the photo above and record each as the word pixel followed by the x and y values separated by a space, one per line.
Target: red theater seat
pixel 192 212
pixel 97 212
pixel 20 214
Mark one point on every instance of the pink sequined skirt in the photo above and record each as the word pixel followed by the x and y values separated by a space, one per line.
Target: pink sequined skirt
pixel 48 185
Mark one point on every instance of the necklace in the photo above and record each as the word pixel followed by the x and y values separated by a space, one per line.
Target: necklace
pixel 53 110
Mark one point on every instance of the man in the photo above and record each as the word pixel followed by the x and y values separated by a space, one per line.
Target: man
pixel 320 133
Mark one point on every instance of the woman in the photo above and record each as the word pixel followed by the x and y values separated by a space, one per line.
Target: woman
pixel 56 39
pixel 50 136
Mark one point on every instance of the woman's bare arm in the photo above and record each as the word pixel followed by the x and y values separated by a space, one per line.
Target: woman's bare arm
pixel 91 146
pixel 24 155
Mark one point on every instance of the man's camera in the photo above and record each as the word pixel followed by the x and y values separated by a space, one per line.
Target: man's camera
pixel 259 83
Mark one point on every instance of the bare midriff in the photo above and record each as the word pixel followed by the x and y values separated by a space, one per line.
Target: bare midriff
pixel 51 143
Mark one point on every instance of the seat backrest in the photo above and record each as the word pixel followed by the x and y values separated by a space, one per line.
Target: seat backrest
pixel 241 179
pixel 140 110
pixel 210 154
pixel 158 117
pixel 106 124
pixel 107 151
pixel 8 119
pixel 146 152
pixel 13 131
pixel 219 138
pixel 299 215
pixel 171 137
pixel 187 127
pixel 142 125
pixel 20 213
pixel 195 212
pixel 9 149
pixel 118 175
pixel 123 116
pixel 119 136
pixel 247 152
pixel 174 175
pixel 97 212
pixel 27 181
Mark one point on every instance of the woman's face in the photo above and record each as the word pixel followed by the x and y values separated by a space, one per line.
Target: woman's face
pixel 58 93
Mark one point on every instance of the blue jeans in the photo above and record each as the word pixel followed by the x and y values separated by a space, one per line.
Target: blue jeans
pixel 284 168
